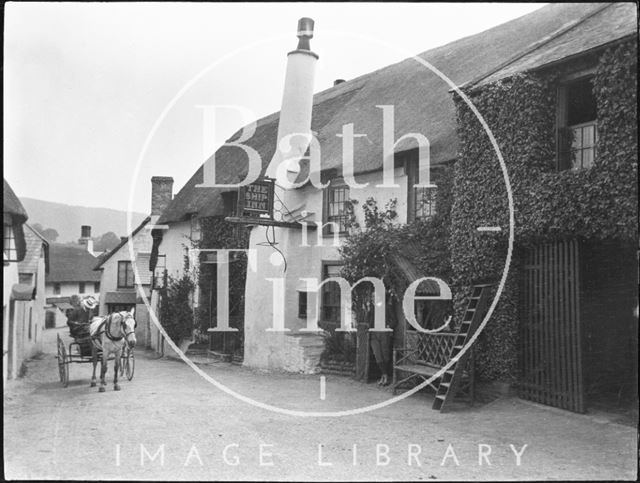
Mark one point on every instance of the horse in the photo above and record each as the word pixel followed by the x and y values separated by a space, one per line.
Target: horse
pixel 109 334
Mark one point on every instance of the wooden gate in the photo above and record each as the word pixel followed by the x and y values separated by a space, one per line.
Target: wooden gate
pixel 551 359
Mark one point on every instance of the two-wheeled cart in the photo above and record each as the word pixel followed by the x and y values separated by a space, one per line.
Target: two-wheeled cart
pixel 79 352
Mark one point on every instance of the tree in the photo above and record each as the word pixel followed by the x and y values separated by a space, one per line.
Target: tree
pixel 106 241
pixel 51 234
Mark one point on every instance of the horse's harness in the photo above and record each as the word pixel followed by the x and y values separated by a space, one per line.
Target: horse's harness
pixel 105 327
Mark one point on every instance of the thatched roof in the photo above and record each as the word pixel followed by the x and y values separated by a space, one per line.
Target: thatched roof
pixel 35 243
pixel 421 99
pixel 608 23
pixel 12 206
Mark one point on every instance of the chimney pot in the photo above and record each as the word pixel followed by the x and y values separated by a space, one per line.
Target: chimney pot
pixel 85 238
pixel 305 33
pixel 305 27
pixel 338 81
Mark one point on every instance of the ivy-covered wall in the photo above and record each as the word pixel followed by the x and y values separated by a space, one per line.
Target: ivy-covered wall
pixel 599 203
pixel 216 233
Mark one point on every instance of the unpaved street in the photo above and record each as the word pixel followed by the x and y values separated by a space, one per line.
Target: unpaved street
pixel 169 423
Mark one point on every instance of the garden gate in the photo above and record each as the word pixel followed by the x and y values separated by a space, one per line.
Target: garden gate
pixel 551 358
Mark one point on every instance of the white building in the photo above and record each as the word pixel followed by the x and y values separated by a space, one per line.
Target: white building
pixel 123 276
pixel 70 274
pixel 25 258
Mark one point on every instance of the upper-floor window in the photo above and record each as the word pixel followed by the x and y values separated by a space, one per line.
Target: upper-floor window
pixel 81 287
pixel 96 287
pixel 230 203
pixel 195 227
pixel 577 125
pixel 160 272
pixel 421 202
pixel 9 244
pixel 56 289
pixel 125 274
pixel 336 213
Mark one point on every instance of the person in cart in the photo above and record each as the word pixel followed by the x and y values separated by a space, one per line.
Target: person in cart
pixel 79 318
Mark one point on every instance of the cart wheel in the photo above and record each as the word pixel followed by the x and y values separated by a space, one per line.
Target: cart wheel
pixel 128 363
pixel 63 365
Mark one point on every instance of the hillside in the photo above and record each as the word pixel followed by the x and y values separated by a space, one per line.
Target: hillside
pixel 67 219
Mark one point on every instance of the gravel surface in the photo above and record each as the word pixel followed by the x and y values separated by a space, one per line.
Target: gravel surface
pixel 196 431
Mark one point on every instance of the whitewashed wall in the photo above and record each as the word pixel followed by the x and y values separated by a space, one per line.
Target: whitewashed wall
pixel 277 351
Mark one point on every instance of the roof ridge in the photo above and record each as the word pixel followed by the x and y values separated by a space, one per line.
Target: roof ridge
pixel 37 233
pixel 123 241
pixel 536 45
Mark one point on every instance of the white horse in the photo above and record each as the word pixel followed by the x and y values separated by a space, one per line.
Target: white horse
pixel 108 335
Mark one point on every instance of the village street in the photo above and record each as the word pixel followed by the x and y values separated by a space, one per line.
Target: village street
pixel 169 423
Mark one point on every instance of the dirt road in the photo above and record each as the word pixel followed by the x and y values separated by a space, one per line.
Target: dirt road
pixel 169 423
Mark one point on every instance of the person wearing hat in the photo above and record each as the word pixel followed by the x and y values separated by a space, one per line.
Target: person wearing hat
pixel 79 317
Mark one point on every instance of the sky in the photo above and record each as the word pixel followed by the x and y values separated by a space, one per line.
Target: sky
pixel 85 83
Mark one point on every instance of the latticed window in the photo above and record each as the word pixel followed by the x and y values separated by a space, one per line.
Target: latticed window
pixel 125 274
pixel 336 208
pixel 331 294
pixel 583 145
pixel 577 125
pixel 9 244
pixel 421 202
pixel 425 203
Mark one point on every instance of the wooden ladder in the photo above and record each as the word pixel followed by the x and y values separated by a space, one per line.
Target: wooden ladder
pixel 450 380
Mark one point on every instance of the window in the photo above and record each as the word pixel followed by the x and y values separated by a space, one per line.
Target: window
pixel 160 273
pixel 119 308
pixel 330 311
pixel 56 289
pixel 195 227
pixel 336 199
pixel 26 278
pixel 577 125
pixel 49 319
pixel 421 202
pixel 81 287
pixel 125 274
pixel 96 287
pixel 9 244
pixel 302 305
pixel 230 203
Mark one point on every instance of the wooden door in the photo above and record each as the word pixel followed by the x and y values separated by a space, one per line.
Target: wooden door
pixel 551 358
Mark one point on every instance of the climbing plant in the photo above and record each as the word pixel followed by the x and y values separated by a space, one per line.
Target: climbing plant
pixel 597 203
pixel 176 312
pixel 216 233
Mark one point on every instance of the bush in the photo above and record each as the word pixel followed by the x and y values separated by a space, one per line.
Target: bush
pixel 176 313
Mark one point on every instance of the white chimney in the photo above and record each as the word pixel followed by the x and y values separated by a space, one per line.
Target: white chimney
pixel 85 238
pixel 297 99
